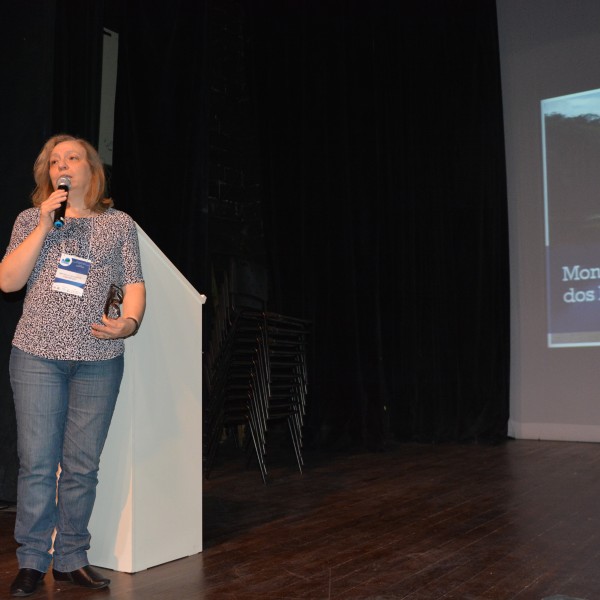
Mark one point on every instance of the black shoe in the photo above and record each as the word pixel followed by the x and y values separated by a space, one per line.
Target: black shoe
pixel 25 582
pixel 85 577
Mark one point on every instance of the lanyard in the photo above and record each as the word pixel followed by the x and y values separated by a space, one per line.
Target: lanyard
pixel 90 243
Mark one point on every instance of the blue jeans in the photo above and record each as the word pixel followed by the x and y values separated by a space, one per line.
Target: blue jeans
pixel 63 409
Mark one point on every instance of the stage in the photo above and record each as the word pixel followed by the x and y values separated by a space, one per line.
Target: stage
pixel 417 522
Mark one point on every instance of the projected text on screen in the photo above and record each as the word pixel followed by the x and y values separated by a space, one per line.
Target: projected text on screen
pixel 571 163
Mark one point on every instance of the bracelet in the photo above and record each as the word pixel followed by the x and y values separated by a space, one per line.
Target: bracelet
pixel 137 326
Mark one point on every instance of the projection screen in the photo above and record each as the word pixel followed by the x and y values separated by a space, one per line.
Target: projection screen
pixel 549 51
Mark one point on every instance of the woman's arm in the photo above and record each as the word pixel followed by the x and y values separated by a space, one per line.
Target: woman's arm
pixel 134 306
pixel 16 267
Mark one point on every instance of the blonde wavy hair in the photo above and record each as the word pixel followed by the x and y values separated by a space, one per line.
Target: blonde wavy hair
pixel 94 199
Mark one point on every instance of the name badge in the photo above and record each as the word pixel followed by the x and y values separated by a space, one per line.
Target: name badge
pixel 71 275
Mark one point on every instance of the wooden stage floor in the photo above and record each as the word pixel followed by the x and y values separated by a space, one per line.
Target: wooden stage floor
pixel 416 522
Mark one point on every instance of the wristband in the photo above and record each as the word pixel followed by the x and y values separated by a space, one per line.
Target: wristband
pixel 137 326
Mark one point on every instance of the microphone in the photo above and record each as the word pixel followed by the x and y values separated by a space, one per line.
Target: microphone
pixel 63 183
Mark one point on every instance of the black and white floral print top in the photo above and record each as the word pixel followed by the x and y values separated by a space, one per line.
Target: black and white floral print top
pixel 56 325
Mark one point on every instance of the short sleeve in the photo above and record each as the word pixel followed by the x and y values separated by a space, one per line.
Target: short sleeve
pixel 25 223
pixel 132 264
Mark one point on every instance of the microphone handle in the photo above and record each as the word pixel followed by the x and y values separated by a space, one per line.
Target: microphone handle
pixel 59 213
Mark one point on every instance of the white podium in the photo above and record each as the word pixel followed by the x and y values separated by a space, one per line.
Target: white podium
pixel 148 508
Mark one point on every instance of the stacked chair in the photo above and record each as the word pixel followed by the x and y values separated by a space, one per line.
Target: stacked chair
pixel 254 370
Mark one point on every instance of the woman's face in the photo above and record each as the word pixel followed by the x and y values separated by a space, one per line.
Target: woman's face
pixel 70 158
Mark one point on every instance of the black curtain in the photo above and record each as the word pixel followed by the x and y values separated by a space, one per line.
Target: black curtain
pixel 160 144
pixel 384 188
pixel 27 46
pixel 78 69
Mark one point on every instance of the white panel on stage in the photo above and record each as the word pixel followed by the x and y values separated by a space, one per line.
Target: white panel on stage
pixel 148 509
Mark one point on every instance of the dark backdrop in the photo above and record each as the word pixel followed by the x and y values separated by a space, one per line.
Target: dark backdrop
pixel 161 144
pixel 385 205
pixel 381 186
pixel 26 112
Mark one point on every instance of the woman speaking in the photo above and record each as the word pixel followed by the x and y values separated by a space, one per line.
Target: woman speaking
pixel 85 294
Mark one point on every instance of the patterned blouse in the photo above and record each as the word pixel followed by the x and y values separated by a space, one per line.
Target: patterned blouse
pixel 56 325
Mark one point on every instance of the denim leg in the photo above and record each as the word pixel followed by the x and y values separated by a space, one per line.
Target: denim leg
pixel 93 391
pixel 40 391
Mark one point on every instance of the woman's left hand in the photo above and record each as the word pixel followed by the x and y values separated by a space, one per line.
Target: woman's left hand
pixel 112 329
